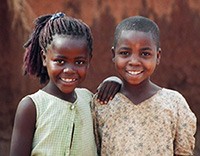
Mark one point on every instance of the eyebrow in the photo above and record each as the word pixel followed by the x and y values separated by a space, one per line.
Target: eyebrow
pixel 60 56
pixel 63 57
pixel 146 48
pixel 124 48
pixel 81 57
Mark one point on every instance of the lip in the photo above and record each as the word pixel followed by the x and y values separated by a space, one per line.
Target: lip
pixel 69 80
pixel 134 72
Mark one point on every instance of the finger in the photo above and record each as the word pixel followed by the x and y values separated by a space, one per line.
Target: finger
pixel 108 94
pixel 112 89
pixel 114 92
pixel 105 94
pixel 107 91
pixel 100 92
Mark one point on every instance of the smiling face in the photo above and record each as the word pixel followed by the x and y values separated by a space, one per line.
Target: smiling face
pixel 67 61
pixel 135 56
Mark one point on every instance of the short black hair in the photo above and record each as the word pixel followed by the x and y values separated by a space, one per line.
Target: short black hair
pixel 46 27
pixel 138 23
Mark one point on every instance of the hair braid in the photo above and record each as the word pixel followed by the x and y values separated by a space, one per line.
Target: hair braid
pixel 32 58
pixel 45 28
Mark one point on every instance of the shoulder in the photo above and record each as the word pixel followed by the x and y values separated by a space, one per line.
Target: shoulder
pixel 83 92
pixel 176 99
pixel 25 115
pixel 36 95
pixel 170 91
pixel 26 106
pixel 172 94
pixel 84 95
pixel 26 102
pixel 40 97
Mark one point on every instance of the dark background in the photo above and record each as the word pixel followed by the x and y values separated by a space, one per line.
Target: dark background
pixel 179 22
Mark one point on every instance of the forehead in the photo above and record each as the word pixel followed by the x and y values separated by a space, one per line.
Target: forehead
pixel 68 41
pixel 68 46
pixel 134 36
pixel 125 34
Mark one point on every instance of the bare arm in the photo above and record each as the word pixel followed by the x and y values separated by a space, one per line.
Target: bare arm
pixel 24 128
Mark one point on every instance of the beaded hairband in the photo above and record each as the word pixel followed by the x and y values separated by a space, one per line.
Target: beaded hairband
pixel 57 15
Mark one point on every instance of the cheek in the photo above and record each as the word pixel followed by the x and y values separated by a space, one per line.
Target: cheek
pixel 119 63
pixel 151 65
pixel 83 71
pixel 53 69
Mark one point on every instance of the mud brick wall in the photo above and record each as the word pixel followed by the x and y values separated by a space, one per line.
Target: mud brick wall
pixel 179 22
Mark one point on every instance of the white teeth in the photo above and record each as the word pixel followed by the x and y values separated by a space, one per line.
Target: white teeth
pixel 134 72
pixel 68 80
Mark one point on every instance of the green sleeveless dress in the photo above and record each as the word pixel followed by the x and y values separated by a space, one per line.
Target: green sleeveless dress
pixel 63 128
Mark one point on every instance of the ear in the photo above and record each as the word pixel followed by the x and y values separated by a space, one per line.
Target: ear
pixel 44 57
pixel 113 53
pixel 159 56
pixel 90 58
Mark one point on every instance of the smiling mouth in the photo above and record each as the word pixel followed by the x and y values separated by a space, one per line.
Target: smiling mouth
pixel 134 72
pixel 68 80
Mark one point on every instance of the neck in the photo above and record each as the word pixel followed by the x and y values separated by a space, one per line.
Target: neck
pixel 71 97
pixel 136 89
pixel 140 92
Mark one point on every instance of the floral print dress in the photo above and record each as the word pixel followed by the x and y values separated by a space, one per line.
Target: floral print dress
pixel 162 125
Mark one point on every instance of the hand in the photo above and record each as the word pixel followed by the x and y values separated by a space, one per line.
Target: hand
pixel 107 89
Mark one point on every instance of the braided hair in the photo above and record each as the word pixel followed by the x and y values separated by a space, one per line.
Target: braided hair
pixel 138 23
pixel 45 28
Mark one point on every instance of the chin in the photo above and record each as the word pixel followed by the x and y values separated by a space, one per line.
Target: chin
pixel 67 90
pixel 133 82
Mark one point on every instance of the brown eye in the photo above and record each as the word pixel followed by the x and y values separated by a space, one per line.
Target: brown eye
pixel 124 53
pixel 80 62
pixel 145 54
pixel 60 62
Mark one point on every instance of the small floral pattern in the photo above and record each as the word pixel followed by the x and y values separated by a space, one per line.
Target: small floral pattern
pixel 162 125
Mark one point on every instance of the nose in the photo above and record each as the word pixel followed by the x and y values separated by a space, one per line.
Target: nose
pixel 134 60
pixel 68 70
